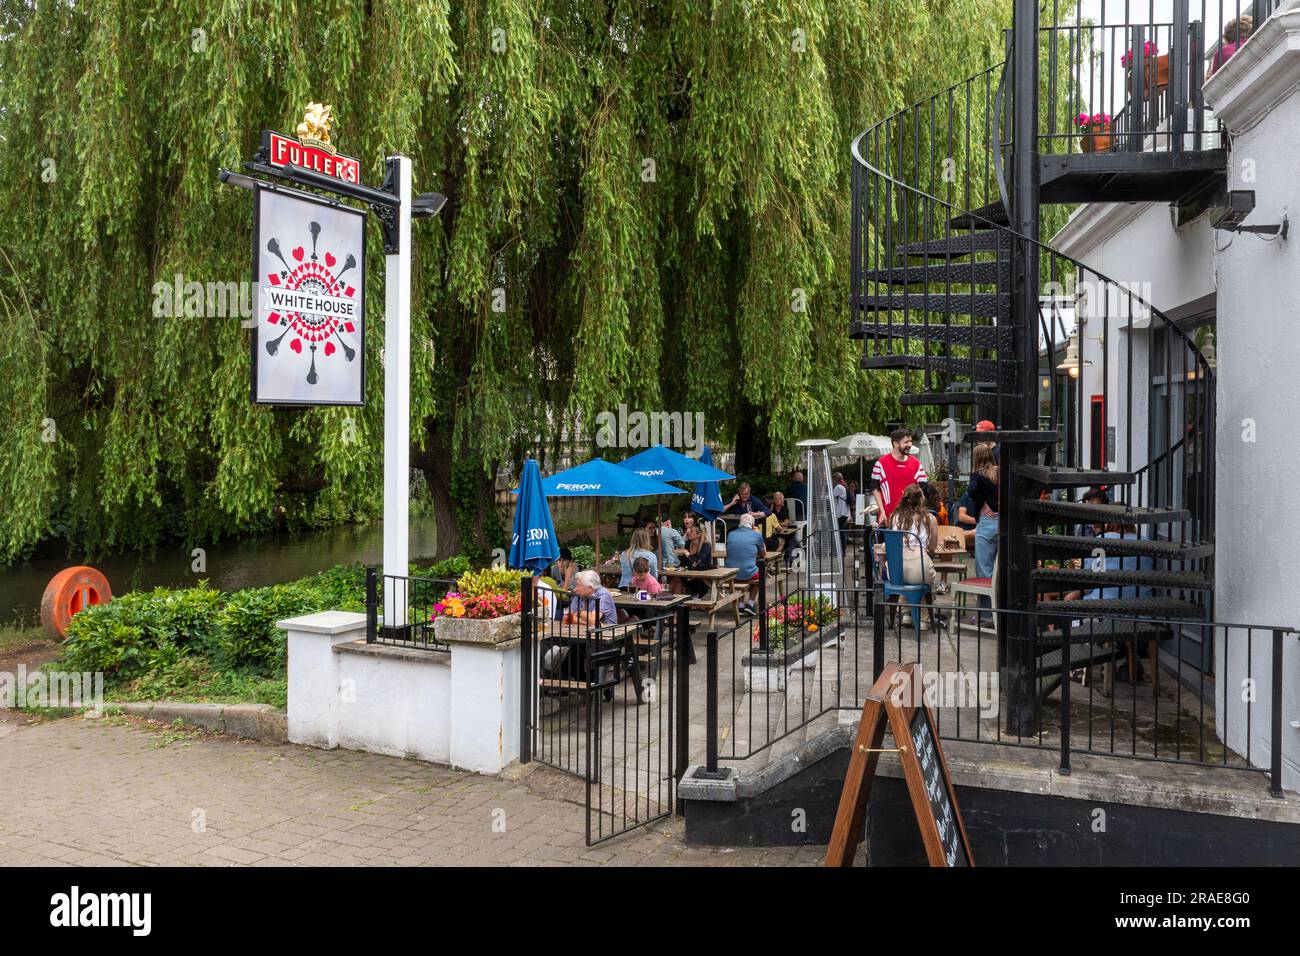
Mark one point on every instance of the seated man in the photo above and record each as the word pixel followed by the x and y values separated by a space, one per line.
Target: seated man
pixel 592 603
pixel 743 503
pixel 673 541
pixel 744 550
pixel 966 521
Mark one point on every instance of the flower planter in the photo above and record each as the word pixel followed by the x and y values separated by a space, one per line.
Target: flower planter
pixel 470 630
pixel 1157 70
pixel 1098 140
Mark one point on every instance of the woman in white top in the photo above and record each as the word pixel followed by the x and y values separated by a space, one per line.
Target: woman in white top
pixel 912 515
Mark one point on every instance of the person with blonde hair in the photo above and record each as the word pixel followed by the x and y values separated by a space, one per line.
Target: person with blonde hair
pixel 641 546
pixel 1235 35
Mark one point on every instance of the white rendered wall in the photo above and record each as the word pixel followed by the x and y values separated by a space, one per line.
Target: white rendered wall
pixel 1257 564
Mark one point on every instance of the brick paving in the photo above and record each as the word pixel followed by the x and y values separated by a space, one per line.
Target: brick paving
pixel 115 791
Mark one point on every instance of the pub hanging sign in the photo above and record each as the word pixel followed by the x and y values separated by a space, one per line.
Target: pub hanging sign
pixel 308 269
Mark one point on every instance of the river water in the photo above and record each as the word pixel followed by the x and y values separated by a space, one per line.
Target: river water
pixel 247 562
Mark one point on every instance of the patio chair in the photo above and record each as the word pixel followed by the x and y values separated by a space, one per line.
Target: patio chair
pixel 892 579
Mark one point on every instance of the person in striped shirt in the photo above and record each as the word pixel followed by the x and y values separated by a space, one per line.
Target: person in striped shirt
pixel 894 473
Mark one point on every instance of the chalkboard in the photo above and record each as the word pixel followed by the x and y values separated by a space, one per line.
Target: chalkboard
pixel 924 768
pixel 937 789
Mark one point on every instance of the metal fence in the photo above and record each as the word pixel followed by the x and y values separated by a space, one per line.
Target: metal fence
pixel 1068 688
pixel 400 609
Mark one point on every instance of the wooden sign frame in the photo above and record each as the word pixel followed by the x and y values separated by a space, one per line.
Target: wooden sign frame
pixel 890 699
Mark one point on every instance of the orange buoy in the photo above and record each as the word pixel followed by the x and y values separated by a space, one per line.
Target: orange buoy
pixel 70 591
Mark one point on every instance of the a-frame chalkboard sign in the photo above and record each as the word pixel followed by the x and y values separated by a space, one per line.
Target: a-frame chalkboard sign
pixel 896 698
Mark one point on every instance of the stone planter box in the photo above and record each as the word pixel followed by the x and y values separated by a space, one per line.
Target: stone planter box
pixel 468 630
pixel 766 671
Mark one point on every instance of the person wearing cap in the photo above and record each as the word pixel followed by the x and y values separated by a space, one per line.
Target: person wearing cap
pixel 988 426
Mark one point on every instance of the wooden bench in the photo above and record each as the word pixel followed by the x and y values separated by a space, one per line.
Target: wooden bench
pixel 711 608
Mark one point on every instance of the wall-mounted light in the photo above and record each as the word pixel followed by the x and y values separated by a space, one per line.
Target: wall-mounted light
pixel 1071 363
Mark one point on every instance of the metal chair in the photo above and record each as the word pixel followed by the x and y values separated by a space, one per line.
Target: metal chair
pixel 892 579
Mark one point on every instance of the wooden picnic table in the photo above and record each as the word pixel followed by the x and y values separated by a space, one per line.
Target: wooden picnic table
pixel 714 577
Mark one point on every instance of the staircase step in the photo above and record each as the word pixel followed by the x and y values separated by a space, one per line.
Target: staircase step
pixel 986 305
pixel 945 364
pixel 1105 514
pixel 978 336
pixel 1120 547
pixel 1090 630
pixel 1054 476
pixel 959 273
pixel 1171 580
pixel 1160 607
pixel 993 214
pixel 956 247
pixel 987 400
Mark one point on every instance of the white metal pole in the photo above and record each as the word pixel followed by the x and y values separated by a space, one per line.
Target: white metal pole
pixel 397 406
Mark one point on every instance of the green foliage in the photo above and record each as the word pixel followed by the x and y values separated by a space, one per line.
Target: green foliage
pixel 489 581
pixel 448 570
pixel 143 630
pixel 248 635
pixel 584 555
pixel 666 285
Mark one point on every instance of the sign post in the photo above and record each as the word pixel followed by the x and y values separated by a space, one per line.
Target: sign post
pixel 397 399
pixel 318 305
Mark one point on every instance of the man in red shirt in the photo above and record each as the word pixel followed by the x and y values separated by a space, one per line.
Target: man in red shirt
pixel 893 473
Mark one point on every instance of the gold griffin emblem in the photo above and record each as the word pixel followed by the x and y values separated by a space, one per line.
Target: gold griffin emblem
pixel 314 130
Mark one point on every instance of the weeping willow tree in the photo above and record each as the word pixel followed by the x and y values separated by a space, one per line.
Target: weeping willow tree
pixel 648 204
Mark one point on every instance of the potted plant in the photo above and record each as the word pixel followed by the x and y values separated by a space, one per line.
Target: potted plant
pixel 1157 67
pixel 1094 131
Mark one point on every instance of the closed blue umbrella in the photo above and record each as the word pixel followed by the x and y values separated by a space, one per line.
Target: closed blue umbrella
pixel 706 500
pixel 533 545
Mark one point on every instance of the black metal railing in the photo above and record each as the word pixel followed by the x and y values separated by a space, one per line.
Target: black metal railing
pixel 401 609
pixel 607 702
pixel 1083 700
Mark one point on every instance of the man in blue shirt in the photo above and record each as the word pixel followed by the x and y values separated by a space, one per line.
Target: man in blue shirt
pixel 744 550
pixel 592 601
pixel 743 503
pixel 798 491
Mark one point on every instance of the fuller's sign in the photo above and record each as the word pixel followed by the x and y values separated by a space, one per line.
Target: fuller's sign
pixel 280 150
pixel 308 264
pixel 312 149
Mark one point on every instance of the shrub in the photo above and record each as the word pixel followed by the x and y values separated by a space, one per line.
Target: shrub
pixel 450 569
pixel 138 630
pixel 248 635
pixel 584 554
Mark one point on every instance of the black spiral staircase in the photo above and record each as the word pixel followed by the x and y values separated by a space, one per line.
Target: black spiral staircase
pixel 952 286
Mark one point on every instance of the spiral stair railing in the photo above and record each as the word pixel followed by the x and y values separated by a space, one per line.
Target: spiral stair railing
pixel 934 258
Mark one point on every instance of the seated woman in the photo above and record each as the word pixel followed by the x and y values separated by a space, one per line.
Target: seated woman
pixel 641 546
pixel 696 556
pixel 912 516
pixel 642 579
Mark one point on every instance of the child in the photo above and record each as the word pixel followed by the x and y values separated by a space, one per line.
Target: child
pixel 642 579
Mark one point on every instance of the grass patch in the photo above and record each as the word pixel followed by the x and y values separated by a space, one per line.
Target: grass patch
pixel 194 679
pixel 16 636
